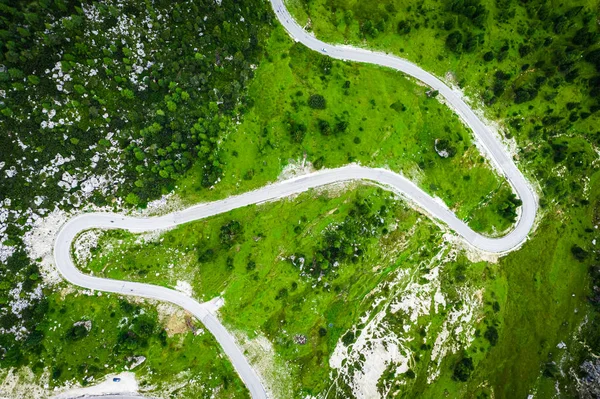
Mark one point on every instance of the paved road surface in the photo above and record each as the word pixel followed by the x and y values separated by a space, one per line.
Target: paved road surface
pixel 482 133
pixel 387 178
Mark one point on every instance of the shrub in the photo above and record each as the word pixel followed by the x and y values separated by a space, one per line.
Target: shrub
pixel 444 149
pixel 348 338
pixel 319 162
pixel 229 263
pixel 404 27
pixel 491 334
pixel 317 101
pixel 341 125
pixel 454 41
pixel 524 94
pixel 206 256
pixel 282 294
pixel 324 127
pixel 398 106
pixel 524 50
pixel 463 369
pixel 297 131
pixel 508 207
pixel 76 333
pixel 230 232
pixel 251 265
pixel 579 253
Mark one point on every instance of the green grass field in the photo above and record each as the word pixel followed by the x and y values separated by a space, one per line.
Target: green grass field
pixel 344 269
pixel 265 293
pixel 389 122
pixel 530 301
pixel 425 42
pixel 120 330
pixel 533 297
pixel 519 45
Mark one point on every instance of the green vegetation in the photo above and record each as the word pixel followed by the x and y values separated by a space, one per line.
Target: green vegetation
pixel 267 261
pixel 20 280
pixel 151 87
pixel 309 107
pixel 533 299
pixel 158 107
pixel 88 336
pixel 267 264
pixel 546 303
pixel 305 266
pixel 463 369
pixel 111 105
pixel 118 332
pixel 141 106
pixel 534 65
pixel 60 340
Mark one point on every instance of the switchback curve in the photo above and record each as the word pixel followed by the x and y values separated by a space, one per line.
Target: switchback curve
pixel 391 180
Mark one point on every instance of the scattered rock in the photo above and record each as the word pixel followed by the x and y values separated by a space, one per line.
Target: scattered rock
pixel 85 323
pixel 185 287
pixel 300 339
pixel 589 385
pixel 136 361
pixel 444 149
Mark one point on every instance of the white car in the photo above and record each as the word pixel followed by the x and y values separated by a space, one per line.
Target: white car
pixel 323 50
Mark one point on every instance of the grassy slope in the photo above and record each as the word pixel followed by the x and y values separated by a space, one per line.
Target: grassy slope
pixel 426 45
pixel 542 295
pixel 512 366
pixel 182 358
pixel 388 138
pixel 545 287
pixel 261 144
pixel 523 273
pixel 269 237
pixel 554 118
pixel 534 288
pixel 546 303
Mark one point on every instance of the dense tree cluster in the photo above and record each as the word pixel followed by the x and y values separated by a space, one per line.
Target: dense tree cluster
pixel 343 242
pixel 161 95
pixel 133 93
pixel 508 207
pixel 463 369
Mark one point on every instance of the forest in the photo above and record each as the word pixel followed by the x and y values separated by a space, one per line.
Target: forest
pixel 107 103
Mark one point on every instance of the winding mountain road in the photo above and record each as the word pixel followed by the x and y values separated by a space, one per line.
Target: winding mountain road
pixel 391 180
